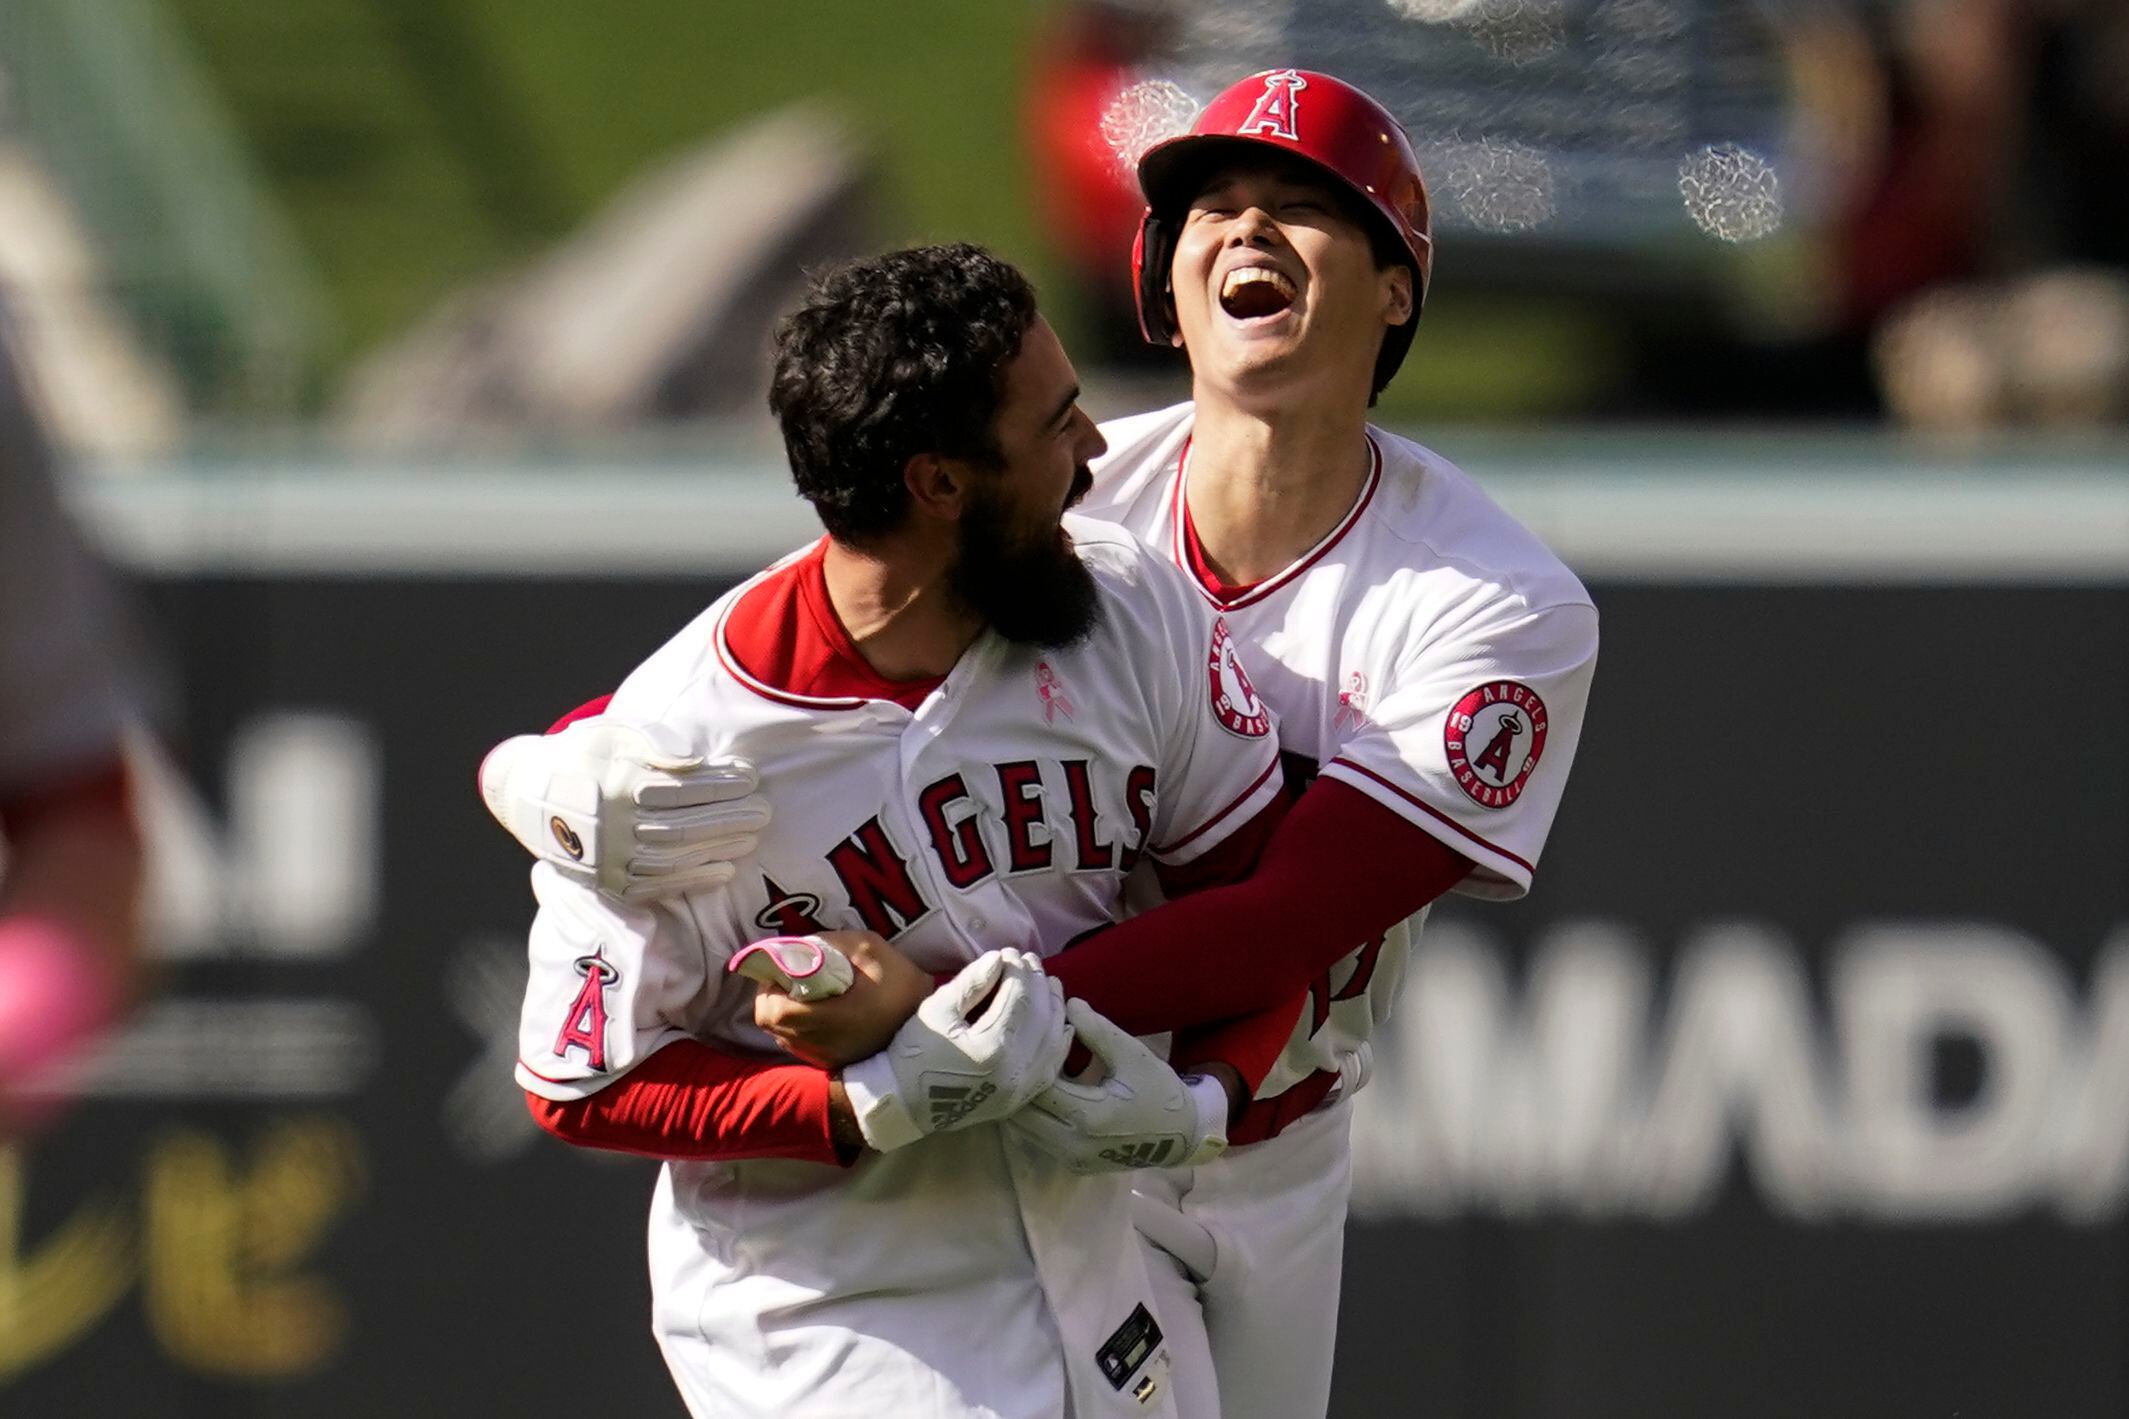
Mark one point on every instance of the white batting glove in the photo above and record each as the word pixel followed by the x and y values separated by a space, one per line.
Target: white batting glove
pixel 802 967
pixel 604 804
pixel 945 1070
pixel 1141 1113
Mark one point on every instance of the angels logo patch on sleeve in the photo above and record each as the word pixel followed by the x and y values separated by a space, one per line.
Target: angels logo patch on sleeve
pixel 1234 699
pixel 585 1027
pixel 1495 736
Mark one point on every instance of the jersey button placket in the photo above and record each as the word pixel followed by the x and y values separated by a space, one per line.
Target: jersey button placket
pixel 925 728
pixel 985 915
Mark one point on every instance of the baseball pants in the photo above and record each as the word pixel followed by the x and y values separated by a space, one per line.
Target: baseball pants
pixel 1246 1257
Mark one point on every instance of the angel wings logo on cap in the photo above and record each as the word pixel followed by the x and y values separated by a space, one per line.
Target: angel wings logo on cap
pixel 1494 737
pixel 1278 107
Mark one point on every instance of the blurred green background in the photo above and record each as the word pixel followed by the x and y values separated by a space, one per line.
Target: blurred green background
pixel 417 144
pixel 307 217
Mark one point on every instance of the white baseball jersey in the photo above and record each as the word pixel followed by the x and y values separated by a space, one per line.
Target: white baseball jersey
pixel 1429 651
pixel 965 1274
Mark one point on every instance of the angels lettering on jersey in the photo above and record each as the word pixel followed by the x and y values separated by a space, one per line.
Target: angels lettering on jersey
pixel 967 843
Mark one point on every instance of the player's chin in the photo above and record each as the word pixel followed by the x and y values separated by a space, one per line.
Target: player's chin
pixel 1241 345
pixel 1253 362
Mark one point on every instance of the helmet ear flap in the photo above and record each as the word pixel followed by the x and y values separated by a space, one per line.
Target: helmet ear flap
pixel 1152 255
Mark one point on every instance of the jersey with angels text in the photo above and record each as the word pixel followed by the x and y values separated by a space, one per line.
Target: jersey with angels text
pixel 1007 808
pixel 1429 651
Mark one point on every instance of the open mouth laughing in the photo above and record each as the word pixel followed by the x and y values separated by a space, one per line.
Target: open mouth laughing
pixel 1256 293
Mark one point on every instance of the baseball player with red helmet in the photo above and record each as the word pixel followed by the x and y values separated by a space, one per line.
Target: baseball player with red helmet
pixel 1427 658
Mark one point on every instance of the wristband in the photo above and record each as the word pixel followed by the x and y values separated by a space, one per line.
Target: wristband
pixel 883 1118
pixel 1210 1097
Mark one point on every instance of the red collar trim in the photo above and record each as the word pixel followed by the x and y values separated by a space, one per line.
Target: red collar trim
pixel 780 637
pixel 1190 555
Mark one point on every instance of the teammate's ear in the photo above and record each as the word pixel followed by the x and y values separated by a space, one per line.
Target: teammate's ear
pixel 1396 294
pixel 937 486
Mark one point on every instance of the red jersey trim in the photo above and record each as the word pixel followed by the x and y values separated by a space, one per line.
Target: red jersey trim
pixel 1431 811
pixel 1191 558
pixel 730 661
pixel 813 624
pixel 1201 829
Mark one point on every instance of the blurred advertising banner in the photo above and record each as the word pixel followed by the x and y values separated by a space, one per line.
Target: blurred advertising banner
pixel 1799 1085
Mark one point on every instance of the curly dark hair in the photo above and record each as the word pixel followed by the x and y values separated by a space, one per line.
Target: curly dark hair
pixel 889 357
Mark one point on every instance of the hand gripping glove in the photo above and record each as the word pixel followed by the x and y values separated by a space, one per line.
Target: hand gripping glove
pixel 953 1065
pixel 1141 1113
pixel 601 802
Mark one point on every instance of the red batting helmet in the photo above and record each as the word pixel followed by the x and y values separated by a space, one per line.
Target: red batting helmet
pixel 1324 120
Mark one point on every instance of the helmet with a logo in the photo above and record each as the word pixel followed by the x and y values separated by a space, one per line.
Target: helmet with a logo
pixel 1323 120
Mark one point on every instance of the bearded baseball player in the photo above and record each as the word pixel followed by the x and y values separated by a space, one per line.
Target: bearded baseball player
pixel 981 723
pixel 1427 658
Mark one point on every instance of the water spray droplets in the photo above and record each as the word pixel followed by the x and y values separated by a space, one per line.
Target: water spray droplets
pixel 1731 193
pixel 1144 114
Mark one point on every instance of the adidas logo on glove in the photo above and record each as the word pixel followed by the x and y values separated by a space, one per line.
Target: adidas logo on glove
pixel 1150 1154
pixel 952 1103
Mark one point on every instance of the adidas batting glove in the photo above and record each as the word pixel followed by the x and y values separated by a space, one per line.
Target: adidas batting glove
pixel 1140 1114
pixel 977 1049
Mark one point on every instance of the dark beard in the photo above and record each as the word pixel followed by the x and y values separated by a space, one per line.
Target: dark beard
pixel 1037 594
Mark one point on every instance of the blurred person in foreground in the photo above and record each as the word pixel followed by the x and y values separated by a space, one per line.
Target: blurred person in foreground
pixel 70 847
pixel 1427 661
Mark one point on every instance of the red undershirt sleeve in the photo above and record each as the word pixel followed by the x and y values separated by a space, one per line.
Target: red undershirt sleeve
pixel 1338 872
pixel 1250 1043
pixel 690 1100
pixel 590 709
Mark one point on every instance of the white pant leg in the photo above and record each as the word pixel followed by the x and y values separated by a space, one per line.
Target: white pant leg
pixel 677 1303
pixel 1175 1305
pixel 1178 1250
pixel 1276 1211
